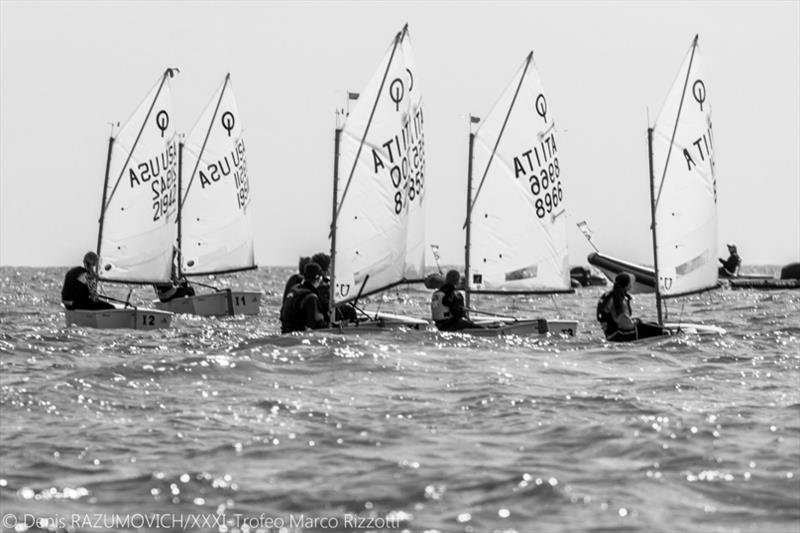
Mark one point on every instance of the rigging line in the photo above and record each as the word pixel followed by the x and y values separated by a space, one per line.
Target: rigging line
pixel 555 303
pixel 677 119
pixel 397 39
pixel 208 134
pixel 500 135
pixel 141 130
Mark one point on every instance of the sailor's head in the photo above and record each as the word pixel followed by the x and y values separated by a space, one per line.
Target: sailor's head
pixel 301 264
pixel 323 260
pixel 732 248
pixel 623 281
pixel 452 277
pixel 312 273
pixel 90 260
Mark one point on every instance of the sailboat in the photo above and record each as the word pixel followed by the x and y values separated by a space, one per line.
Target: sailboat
pixel 138 221
pixel 378 214
pixel 683 192
pixel 214 230
pixel 516 238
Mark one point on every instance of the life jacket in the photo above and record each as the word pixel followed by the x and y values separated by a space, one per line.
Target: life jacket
pixel 439 311
pixel 292 317
pixel 74 290
pixel 604 313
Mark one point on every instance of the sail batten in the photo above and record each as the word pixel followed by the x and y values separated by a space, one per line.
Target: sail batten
pixel 216 232
pixel 138 223
pixel 517 240
pixel 685 198
pixel 378 224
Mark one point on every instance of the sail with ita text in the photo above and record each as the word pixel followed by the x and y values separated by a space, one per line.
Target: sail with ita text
pixel 684 187
pixel 378 226
pixel 516 220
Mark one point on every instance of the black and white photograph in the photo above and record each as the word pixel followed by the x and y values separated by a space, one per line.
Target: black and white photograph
pixel 445 266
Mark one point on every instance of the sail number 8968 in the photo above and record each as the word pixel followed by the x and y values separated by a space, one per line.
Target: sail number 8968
pixel 546 186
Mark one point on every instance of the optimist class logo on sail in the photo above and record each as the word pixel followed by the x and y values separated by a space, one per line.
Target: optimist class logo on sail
pixel 161 172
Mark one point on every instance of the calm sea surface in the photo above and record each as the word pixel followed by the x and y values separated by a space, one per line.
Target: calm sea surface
pixel 225 425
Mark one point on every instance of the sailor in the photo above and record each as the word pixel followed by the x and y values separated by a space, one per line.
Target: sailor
pixel 730 266
pixel 297 277
pixel 345 311
pixel 301 308
pixel 615 316
pixel 80 286
pixel 176 289
pixel 447 305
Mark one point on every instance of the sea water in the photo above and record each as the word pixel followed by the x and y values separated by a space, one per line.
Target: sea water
pixel 222 424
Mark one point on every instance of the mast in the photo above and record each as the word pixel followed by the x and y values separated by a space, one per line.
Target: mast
pixel 469 216
pixel 331 300
pixel 105 191
pixel 180 209
pixel 653 223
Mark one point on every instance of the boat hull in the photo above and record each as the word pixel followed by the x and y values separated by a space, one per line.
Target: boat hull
pixel 763 284
pixel 694 329
pixel 130 318
pixel 524 327
pixel 220 303
pixel 379 321
pixel 610 266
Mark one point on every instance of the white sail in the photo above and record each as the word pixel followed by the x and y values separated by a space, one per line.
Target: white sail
pixel 215 230
pixel 518 232
pixel 379 226
pixel 685 189
pixel 139 217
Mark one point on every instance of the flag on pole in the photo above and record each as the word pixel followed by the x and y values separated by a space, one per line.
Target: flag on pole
pixel 584 227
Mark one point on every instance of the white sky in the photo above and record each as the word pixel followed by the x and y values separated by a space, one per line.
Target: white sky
pixel 67 69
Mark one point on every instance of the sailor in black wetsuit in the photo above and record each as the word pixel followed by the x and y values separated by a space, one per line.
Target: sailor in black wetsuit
pixel 297 277
pixel 730 266
pixel 447 305
pixel 170 291
pixel 615 316
pixel 80 286
pixel 301 308
pixel 177 288
pixel 345 311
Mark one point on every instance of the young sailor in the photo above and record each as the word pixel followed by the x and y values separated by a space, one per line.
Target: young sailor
pixel 176 288
pixel 301 308
pixel 447 305
pixel 345 311
pixel 173 290
pixel 615 316
pixel 730 266
pixel 297 277
pixel 80 286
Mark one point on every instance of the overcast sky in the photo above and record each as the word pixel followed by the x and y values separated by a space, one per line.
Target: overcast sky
pixel 68 69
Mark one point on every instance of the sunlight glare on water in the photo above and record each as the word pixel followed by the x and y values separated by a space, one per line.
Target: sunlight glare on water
pixel 422 430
